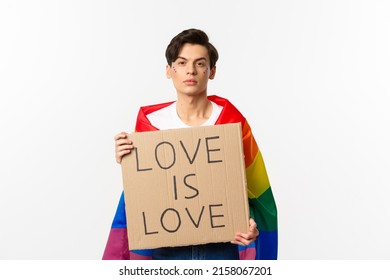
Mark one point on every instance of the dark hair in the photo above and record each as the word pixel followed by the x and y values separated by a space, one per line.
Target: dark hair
pixel 191 36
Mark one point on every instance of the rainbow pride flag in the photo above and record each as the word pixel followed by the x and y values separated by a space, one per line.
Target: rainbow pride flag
pixel 261 200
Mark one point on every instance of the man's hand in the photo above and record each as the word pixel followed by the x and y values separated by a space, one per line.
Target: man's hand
pixel 123 146
pixel 245 239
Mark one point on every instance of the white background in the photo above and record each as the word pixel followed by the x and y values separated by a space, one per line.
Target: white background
pixel 74 73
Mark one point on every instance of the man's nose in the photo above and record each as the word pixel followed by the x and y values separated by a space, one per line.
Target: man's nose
pixel 191 69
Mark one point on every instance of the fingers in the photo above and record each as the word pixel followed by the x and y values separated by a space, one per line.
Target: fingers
pixel 121 142
pixel 253 226
pixel 121 135
pixel 123 146
pixel 245 239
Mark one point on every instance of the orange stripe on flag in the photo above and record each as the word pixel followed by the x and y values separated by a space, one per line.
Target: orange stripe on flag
pixel 250 146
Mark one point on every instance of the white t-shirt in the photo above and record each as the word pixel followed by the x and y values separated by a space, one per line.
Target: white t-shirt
pixel 167 118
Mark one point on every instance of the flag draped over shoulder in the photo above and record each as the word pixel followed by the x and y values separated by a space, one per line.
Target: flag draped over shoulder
pixel 261 200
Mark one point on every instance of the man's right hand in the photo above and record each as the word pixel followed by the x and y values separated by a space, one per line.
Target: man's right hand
pixel 123 146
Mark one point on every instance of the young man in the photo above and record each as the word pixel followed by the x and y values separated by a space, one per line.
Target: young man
pixel 191 62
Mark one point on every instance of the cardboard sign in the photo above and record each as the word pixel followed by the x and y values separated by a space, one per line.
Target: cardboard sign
pixel 185 186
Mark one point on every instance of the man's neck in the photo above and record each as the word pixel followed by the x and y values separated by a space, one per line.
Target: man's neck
pixel 193 110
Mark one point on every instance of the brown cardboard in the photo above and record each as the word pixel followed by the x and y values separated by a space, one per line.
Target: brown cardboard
pixel 185 186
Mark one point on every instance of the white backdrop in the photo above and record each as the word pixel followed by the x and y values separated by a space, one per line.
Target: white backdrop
pixel 73 74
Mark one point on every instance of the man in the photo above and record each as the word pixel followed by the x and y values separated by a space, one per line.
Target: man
pixel 191 62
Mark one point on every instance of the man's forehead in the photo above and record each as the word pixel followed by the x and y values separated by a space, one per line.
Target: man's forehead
pixel 193 51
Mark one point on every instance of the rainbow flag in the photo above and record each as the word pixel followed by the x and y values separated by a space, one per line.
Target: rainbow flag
pixel 261 200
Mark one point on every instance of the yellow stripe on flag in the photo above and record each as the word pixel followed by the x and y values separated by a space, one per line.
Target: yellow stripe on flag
pixel 257 178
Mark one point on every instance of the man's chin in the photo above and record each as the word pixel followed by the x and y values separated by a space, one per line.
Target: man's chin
pixel 195 93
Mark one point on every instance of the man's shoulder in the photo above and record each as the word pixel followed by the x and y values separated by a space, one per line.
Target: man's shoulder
pixel 229 112
pixel 147 109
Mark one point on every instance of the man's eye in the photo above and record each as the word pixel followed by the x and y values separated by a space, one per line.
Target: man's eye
pixel 201 64
pixel 181 63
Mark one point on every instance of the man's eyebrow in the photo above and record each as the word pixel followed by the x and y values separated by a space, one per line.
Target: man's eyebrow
pixel 200 58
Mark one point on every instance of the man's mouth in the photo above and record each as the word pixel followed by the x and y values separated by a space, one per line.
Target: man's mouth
pixel 190 82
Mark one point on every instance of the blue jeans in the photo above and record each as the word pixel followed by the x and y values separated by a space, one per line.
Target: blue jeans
pixel 210 251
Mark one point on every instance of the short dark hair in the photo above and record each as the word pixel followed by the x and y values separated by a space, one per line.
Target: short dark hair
pixel 191 36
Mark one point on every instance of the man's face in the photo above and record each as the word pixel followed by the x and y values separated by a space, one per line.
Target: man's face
pixel 191 71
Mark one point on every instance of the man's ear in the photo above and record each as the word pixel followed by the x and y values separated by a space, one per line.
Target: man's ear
pixel 212 72
pixel 168 71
